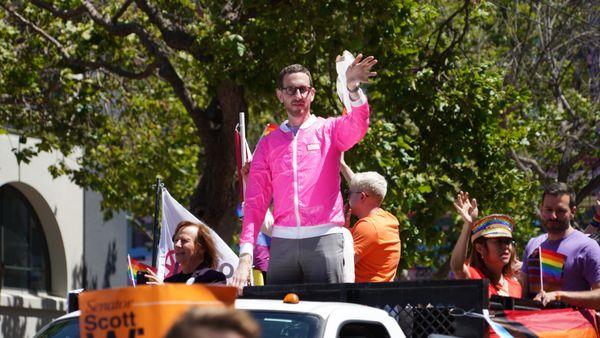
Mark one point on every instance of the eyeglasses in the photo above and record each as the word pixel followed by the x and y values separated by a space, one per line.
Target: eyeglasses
pixel 503 240
pixel 292 90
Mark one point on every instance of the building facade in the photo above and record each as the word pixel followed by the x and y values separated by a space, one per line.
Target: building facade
pixel 52 239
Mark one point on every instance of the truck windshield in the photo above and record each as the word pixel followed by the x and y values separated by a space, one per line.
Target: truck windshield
pixel 288 324
pixel 68 328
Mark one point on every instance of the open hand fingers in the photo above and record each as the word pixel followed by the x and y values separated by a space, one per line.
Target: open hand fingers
pixel 366 65
pixel 458 202
pixel 457 207
pixel 153 279
pixel 539 296
pixel 369 62
pixel 357 60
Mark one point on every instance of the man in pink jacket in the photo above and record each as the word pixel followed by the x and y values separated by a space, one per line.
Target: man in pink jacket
pixel 297 166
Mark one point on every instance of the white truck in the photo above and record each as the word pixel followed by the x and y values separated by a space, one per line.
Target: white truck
pixel 290 319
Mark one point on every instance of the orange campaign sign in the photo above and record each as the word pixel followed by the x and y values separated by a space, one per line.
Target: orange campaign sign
pixel 145 311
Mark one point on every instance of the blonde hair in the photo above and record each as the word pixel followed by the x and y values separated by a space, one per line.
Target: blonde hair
pixel 203 239
pixel 370 182
pixel 197 321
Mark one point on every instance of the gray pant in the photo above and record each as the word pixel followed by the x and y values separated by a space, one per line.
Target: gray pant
pixel 308 260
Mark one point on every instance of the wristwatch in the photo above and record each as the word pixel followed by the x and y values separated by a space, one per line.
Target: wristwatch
pixel 355 90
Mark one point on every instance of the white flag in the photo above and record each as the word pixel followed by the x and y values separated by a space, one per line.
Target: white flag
pixel 172 214
pixel 341 87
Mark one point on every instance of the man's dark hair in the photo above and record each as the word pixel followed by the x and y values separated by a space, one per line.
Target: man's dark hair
pixel 198 321
pixel 558 189
pixel 295 68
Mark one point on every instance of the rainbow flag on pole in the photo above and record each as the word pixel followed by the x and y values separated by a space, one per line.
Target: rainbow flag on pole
pixel 551 269
pixel 134 266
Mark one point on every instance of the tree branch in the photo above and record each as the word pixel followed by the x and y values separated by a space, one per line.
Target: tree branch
pixel 448 23
pixel 528 164
pixel 63 14
pixel 38 30
pixel 588 189
pixel 6 99
pixel 120 11
pixel 88 65
pixel 118 29
pixel 456 41
pixel 173 34
pixel 166 69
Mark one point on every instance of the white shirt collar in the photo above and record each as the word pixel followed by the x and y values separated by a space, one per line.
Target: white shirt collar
pixel 309 122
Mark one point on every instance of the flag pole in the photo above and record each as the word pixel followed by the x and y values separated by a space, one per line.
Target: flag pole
pixel 159 186
pixel 243 147
pixel 130 270
pixel 541 272
pixel 244 159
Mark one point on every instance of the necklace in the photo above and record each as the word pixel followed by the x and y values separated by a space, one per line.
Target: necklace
pixel 503 287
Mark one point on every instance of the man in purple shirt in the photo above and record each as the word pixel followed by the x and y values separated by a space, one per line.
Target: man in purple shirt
pixel 571 260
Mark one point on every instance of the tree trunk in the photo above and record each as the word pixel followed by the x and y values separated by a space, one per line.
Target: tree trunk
pixel 215 198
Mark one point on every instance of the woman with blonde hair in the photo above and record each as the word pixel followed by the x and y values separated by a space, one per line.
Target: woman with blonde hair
pixel 196 253
pixel 493 250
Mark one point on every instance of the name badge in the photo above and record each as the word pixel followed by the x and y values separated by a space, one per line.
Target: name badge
pixel 313 146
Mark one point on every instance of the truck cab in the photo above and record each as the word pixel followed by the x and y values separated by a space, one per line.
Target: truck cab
pixel 306 319
pixel 296 319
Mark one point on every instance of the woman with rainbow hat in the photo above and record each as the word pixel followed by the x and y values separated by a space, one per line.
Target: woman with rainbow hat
pixel 493 253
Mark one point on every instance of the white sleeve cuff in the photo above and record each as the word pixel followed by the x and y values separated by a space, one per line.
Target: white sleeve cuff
pixel 362 99
pixel 247 248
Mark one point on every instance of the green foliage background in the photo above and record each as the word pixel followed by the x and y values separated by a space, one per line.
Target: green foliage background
pixel 445 116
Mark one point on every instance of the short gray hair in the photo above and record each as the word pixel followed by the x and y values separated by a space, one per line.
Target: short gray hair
pixel 371 183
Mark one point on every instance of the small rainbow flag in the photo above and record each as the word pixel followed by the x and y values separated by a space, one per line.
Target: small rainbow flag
pixel 270 128
pixel 551 268
pixel 134 266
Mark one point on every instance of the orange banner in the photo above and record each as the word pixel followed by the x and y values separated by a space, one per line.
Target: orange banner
pixel 145 311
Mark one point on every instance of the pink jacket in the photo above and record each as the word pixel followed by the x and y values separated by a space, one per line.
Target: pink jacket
pixel 301 174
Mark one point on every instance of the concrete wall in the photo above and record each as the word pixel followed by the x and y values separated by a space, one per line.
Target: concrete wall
pixel 23 314
pixel 105 248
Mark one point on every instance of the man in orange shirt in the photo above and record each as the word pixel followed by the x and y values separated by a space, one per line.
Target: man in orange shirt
pixel 376 234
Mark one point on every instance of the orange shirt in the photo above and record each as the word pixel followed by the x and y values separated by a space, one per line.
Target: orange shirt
pixel 376 247
pixel 514 287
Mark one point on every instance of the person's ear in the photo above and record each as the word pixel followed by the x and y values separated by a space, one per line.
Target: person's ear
pixel 312 94
pixel 479 248
pixel 279 94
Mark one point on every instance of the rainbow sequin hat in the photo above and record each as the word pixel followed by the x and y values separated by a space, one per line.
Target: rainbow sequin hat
pixel 495 225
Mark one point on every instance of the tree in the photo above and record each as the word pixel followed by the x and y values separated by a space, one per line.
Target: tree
pixel 82 66
pixel 141 88
pixel 551 49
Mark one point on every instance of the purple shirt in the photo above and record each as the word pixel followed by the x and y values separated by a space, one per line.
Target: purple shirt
pixel 581 267
pixel 261 252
